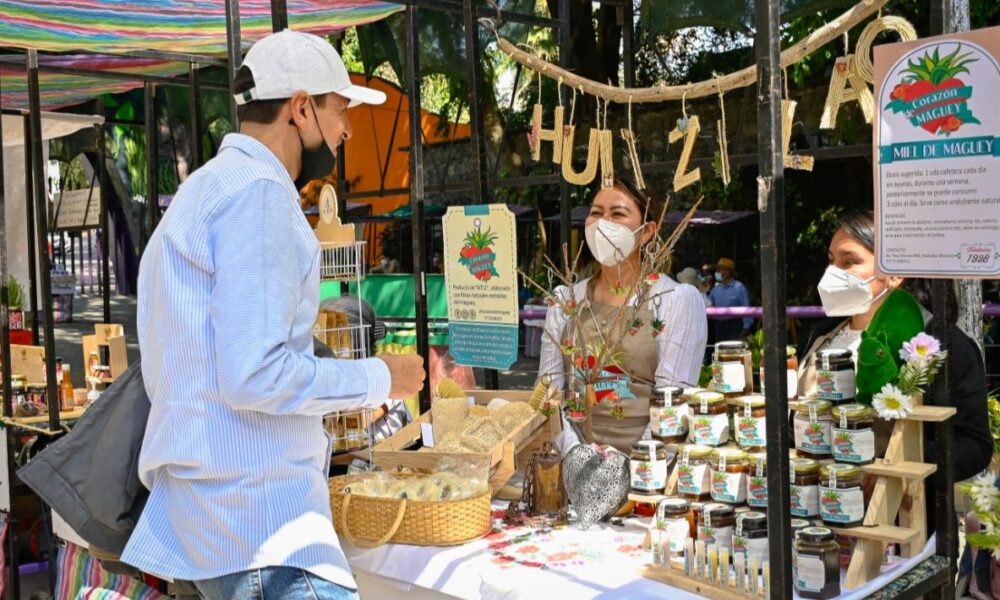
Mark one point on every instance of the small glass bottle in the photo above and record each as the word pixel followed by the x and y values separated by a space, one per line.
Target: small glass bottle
pixel 835 375
pixel 729 476
pixel 731 369
pixel 66 389
pixel 750 422
pixel 813 429
pixel 853 438
pixel 841 499
pixel 817 564
pixel 757 480
pixel 804 489
pixel 669 415
pixel 694 472
pixel 709 419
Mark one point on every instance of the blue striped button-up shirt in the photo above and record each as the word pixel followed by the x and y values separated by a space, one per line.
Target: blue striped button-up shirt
pixel 235 451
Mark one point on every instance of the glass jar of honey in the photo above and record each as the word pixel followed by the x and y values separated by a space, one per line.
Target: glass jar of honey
pixel 669 415
pixel 835 375
pixel 804 489
pixel 694 472
pixel 791 373
pixel 750 422
pixel 750 536
pixel 716 525
pixel 817 564
pixel 648 467
pixel 813 425
pixel 841 500
pixel 853 438
pixel 731 368
pixel 757 480
pixel 729 476
pixel 709 420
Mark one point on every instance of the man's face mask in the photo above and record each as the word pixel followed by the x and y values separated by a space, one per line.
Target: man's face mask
pixel 318 163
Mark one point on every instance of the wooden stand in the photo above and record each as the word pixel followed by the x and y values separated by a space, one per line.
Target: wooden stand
pixel 901 475
pixel 111 336
pixel 672 575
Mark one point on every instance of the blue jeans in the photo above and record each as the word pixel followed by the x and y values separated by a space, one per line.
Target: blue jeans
pixel 272 583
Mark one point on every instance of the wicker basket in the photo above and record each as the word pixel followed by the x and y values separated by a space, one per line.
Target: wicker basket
pixel 369 522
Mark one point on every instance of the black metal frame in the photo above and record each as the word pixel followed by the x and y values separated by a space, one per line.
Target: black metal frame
pixel 771 199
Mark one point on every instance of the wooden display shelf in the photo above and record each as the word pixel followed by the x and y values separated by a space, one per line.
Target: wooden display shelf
pixel 903 469
pixel 880 533
pixel 676 579
pixel 68 415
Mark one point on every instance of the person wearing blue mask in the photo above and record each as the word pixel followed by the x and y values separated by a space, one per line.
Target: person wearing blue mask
pixel 729 292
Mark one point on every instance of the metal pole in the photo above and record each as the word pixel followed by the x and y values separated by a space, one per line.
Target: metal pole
pixel 29 211
pixel 193 80
pixel 102 173
pixel 279 15
pixel 565 202
pixel 38 166
pixel 234 48
pixel 152 161
pixel 627 12
pixel 417 193
pixel 771 202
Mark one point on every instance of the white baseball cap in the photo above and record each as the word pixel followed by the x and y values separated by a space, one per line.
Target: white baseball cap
pixel 289 61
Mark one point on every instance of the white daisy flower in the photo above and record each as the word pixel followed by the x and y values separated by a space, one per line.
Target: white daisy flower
pixel 985 495
pixel 891 403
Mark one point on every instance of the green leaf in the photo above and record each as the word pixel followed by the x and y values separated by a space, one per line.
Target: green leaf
pixel 378 45
pixel 989 541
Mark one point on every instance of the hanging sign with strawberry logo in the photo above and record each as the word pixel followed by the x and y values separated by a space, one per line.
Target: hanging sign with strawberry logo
pixel 937 150
pixel 480 269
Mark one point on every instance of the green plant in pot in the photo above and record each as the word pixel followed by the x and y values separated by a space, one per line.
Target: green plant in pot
pixel 15 300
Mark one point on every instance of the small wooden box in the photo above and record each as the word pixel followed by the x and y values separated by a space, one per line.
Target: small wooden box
pixel 502 462
pixel 112 336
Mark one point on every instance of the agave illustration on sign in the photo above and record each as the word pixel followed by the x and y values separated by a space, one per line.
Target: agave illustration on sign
pixel 477 255
pixel 932 96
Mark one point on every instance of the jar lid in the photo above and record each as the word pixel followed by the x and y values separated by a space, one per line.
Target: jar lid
pixel 840 470
pixel 751 400
pixel 672 390
pixel 732 346
pixel 710 398
pixel 852 411
pixel 821 406
pixel 696 451
pixel 716 509
pixel 647 445
pixel 675 506
pixel 800 524
pixel 693 391
pixel 38 385
pixel 730 454
pixel 751 520
pixel 757 458
pixel 816 534
pixel 836 353
pixel 18 376
pixel 803 465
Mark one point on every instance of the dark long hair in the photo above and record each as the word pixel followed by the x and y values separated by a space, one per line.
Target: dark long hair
pixel 860 226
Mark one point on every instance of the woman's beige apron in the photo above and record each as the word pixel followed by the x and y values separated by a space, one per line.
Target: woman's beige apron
pixel 641 358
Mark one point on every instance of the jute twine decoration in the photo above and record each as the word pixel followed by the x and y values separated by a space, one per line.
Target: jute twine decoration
pixel 863 53
pixel 628 136
pixel 845 74
pixel 720 136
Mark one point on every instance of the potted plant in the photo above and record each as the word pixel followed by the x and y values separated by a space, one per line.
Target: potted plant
pixel 15 299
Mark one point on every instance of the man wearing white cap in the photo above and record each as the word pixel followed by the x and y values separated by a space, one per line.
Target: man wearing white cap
pixel 235 455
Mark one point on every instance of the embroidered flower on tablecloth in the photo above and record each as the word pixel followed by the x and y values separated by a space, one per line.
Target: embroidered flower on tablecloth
pixel 629 548
pixel 528 549
pixel 562 556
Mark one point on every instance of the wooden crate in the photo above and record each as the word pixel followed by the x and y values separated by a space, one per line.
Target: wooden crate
pixel 113 337
pixel 500 464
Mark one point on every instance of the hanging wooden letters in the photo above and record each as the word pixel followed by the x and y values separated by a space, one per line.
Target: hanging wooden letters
pixel 607 159
pixel 539 134
pixel 682 177
pixel 863 50
pixel 798 161
pixel 846 85
pixel 599 147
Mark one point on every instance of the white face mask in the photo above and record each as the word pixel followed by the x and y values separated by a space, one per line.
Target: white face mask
pixel 610 243
pixel 844 294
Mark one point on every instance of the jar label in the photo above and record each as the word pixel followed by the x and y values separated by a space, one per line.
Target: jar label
pixel 729 377
pixel 853 445
pixel 813 436
pixel 841 506
pixel 810 573
pixel 710 430
pixel 730 488
pixel 757 491
pixel 751 431
pixel 648 476
pixel 835 385
pixel 669 421
pixel 722 537
pixel 679 532
pixel 804 500
pixel 750 548
pixel 692 480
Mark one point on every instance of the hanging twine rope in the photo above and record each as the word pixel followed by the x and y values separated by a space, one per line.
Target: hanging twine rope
pixel 722 139
pixel 863 61
pixel 628 135
pixel 739 79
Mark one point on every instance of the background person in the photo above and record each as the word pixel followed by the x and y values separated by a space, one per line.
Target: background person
pixel 729 292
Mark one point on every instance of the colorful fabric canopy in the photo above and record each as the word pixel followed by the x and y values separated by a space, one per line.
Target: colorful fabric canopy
pixel 190 26
pixel 58 90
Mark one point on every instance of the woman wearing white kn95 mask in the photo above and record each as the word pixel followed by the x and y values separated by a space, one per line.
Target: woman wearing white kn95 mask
pixel 622 221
